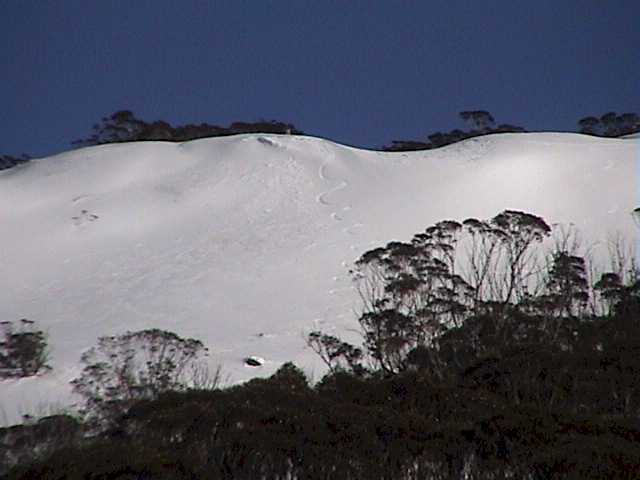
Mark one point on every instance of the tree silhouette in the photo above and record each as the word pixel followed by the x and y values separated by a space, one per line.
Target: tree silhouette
pixel 23 350
pixel 480 122
pixel 136 365
pixel 610 124
pixel 9 161
pixel 123 126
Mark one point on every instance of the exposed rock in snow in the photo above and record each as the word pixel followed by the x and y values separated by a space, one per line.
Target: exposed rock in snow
pixel 254 361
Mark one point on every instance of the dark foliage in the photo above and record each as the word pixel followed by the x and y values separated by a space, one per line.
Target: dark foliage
pixel 136 365
pixel 107 459
pixel 458 377
pixel 480 122
pixel 413 293
pixel 123 126
pixel 407 146
pixel 8 161
pixel 21 444
pixel 528 409
pixel 610 124
pixel 23 350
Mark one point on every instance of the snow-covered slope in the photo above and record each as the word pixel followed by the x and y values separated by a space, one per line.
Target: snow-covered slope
pixel 245 242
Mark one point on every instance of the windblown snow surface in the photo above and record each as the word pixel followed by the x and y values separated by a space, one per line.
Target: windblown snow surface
pixel 245 242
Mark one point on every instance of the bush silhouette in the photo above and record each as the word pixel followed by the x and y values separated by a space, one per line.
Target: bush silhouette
pixel 480 121
pixel 23 350
pixel 124 126
pixel 610 124
pixel 504 382
pixel 8 161
pixel 136 365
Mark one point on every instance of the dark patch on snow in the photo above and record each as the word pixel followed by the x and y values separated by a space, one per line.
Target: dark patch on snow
pixel 254 361
pixel 84 217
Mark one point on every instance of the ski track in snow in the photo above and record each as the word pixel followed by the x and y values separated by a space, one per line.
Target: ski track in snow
pixel 341 185
pixel 322 198
pixel 338 216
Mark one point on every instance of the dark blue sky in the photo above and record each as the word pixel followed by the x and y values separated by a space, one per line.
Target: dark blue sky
pixel 358 72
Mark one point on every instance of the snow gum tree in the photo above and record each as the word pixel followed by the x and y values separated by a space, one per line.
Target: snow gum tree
pixel 133 366
pixel 23 349
pixel 414 292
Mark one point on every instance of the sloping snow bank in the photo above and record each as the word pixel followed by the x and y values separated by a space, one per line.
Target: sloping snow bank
pixel 245 242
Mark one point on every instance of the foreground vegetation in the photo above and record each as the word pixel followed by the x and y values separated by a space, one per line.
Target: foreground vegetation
pixel 483 358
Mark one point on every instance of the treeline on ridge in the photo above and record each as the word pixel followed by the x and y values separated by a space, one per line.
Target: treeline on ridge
pixel 124 126
pixel 8 161
pixel 481 122
pixel 483 357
